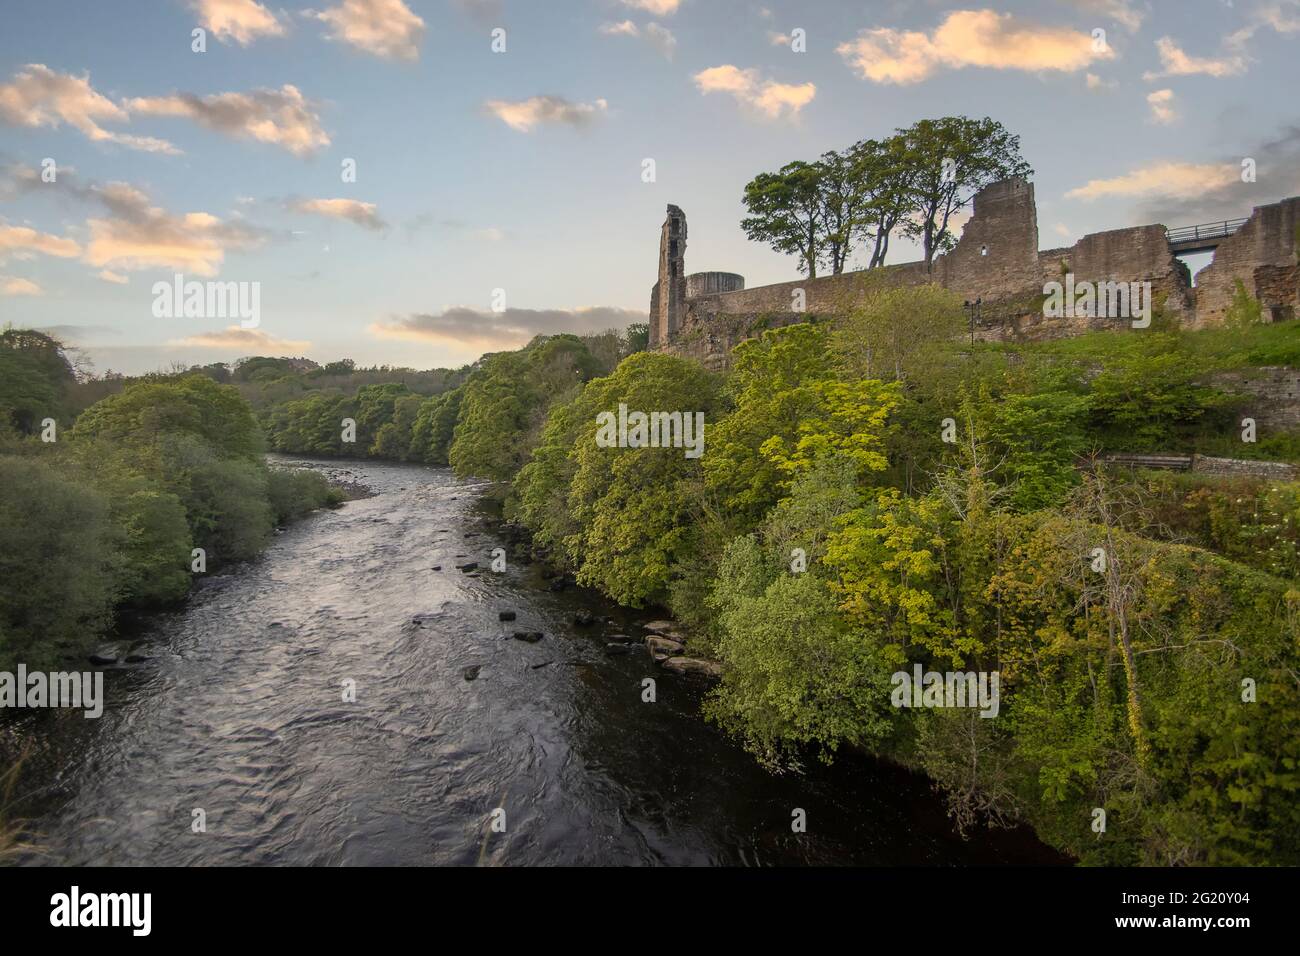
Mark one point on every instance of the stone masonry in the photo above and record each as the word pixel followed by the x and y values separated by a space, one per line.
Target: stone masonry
pixel 998 262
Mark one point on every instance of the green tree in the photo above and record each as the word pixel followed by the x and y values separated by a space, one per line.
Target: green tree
pixel 953 158
pixel 633 507
pixel 785 211
pixel 58 565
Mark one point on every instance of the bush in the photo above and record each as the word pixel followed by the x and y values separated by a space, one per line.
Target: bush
pixel 58 565
pixel 293 492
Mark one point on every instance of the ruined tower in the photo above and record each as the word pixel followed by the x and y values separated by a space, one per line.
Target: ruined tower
pixel 668 297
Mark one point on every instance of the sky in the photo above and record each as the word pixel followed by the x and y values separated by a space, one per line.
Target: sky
pixel 500 149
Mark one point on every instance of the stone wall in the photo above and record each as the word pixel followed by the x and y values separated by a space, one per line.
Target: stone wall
pixel 1239 467
pixel 1263 255
pixel 1274 390
pixel 1137 254
pixel 997 254
pixel 996 261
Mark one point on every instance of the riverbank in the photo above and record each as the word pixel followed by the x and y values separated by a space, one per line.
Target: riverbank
pixel 241 714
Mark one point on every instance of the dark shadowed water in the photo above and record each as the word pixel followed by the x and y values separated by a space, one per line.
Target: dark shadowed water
pixel 240 714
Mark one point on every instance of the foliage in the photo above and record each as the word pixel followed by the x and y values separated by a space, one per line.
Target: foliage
pixel 916 180
pixel 57 564
pixel 108 515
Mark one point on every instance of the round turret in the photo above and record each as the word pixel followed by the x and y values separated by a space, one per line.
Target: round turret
pixel 711 283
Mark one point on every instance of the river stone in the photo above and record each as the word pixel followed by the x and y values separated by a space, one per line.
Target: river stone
pixel 660 626
pixel 693 665
pixel 469 673
pixel 616 649
pixel 506 616
pixel 436 567
pixel 584 619
pixel 664 645
pixel 106 654
pixel 532 637
pixel 468 567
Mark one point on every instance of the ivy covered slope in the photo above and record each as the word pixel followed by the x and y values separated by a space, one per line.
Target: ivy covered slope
pixel 1163 690
pixel 102 510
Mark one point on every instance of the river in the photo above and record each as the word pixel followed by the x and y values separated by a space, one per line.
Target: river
pixel 240 714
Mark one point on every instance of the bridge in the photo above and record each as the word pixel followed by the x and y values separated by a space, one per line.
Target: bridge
pixel 1201 238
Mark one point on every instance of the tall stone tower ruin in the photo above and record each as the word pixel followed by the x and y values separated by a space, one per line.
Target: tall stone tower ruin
pixel 668 298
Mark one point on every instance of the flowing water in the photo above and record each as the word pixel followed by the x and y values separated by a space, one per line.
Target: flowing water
pixel 240 714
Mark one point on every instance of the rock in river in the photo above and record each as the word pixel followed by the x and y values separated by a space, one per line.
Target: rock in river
pixel 692 665
pixel 664 645
pixel 532 637
pixel 107 654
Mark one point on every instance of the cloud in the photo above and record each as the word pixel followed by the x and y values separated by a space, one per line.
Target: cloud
pixel 1184 194
pixel 130 233
pixel 250 340
pixel 1282 16
pixel 364 214
pixel 1162 106
pixel 1178 63
pixel 240 20
pixel 623 28
pixel 38 96
pixel 385 28
pixel 15 286
pixel 139 235
pixel 1122 12
pixel 280 117
pixel 113 277
pixel 660 8
pixel 17 240
pixel 524 115
pixel 1161 179
pixel 750 89
pixel 979 38
pixel 659 37
pixel 1095 82
pixel 662 39
pixel 468 328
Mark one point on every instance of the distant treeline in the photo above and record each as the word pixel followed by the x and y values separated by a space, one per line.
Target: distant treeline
pixel 106 514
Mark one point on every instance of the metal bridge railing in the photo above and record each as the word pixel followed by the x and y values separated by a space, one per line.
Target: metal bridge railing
pixel 1209 230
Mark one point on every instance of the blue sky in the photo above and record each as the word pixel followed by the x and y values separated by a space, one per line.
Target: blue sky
pixel 521 170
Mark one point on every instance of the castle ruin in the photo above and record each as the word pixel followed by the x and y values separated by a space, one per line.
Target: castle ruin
pixel 998 264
